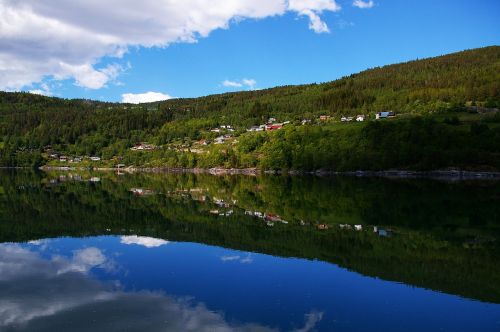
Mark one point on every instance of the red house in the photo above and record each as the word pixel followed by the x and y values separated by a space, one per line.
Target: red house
pixel 271 127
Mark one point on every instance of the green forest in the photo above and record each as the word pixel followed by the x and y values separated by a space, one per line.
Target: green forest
pixel 446 117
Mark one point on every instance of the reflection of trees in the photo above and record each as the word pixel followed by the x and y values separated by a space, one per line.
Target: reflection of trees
pixel 444 238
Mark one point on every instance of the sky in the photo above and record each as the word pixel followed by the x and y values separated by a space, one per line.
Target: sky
pixel 148 50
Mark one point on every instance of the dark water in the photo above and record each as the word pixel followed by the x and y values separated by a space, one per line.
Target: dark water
pixel 107 252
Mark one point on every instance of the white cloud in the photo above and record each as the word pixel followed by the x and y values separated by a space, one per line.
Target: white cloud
pixel 246 82
pixel 232 84
pixel 251 83
pixel 363 4
pixel 315 22
pixel 312 9
pixel 148 242
pixel 38 92
pixel 60 39
pixel 44 90
pixel 148 97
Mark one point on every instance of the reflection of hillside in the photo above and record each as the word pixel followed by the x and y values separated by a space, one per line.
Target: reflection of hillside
pixel 445 233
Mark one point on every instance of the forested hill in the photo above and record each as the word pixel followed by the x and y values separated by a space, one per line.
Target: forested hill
pixel 416 86
pixel 30 123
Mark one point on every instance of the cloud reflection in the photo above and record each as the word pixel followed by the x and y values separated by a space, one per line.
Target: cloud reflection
pixel 148 242
pixel 57 294
pixel 237 258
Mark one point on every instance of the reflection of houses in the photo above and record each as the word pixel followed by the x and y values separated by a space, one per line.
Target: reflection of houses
pixel 226 214
pixel 382 232
pixel 255 213
pixel 273 217
pixel 221 202
pixel 142 192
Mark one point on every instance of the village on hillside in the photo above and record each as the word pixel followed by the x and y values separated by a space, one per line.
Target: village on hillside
pixel 221 135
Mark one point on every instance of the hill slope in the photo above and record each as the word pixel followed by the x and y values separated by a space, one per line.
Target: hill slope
pixel 438 87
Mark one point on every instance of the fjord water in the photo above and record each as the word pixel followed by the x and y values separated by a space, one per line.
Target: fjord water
pixel 184 252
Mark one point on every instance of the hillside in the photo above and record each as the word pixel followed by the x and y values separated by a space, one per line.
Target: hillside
pixel 436 124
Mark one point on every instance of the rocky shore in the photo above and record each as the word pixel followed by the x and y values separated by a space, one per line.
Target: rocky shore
pixel 443 174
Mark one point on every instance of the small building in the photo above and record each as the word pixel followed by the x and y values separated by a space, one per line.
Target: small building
pixel 142 147
pixel 305 121
pixel 322 226
pixel 384 115
pixel 360 118
pixel 324 117
pixel 203 142
pixel 358 227
pixel 219 140
pixel 63 159
pixel 95 158
pixel 256 128
pixel 271 127
pixel 271 120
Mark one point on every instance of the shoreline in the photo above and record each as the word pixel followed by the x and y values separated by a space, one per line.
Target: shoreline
pixel 435 174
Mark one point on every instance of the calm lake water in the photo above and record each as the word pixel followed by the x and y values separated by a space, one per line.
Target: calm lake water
pixel 109 252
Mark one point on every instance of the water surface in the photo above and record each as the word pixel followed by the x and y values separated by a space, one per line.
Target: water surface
pixel 114 252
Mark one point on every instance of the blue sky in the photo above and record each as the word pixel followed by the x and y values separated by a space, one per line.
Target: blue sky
pixel 257 47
